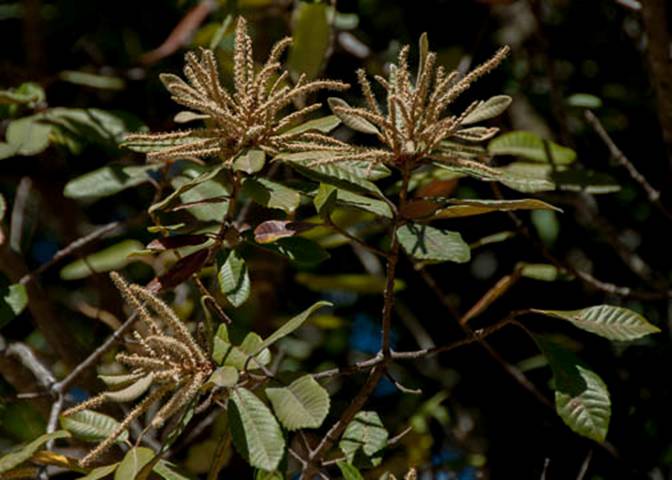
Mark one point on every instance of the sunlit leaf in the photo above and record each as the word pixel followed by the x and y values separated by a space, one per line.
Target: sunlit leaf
pixel 272 194
pixel 13 300
pixel 323 124
pixel 272 230
pixel 581 397
pixel 365 432
pixel 614 323
pixel 234 279
pixel 250 162
pixel 351 120
pixel 91 426
pixel 349 471
pixel 256 434
pixel 432 245
pixel 103 82
pixel 133 462
pixel 488 109
pixel 302 404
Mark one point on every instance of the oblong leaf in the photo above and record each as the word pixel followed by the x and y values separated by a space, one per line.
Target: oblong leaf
pixel 107 181
pixel 133 391
pixel 255 432
pixel 291 325
pixel 234 279
pixel 614 323
pixel 430 244
pixel 114 257
pixel 531 147
pixel 491 108
pixel 302 404
pixel 133 462
pixel 91 426
pixel 353 121
pixel 14 459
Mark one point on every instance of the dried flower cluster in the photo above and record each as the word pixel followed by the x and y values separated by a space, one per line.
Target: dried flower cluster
pixel 249 117
pixel 415 126
pixel 170 360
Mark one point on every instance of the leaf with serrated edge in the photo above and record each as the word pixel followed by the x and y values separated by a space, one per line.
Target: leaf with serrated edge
pixel 581 397
pixel 256 434
pixel 430 244
pixel 303 404
pixel 614 323
pixel 491 108
pixel 234 280
pixel 365 431
pixel 91 426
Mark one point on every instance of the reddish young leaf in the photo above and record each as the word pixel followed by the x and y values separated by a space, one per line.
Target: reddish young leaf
pixel 272 230
pixel 177 241
pixel 180 272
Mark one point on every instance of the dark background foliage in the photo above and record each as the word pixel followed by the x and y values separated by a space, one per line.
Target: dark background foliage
pixel 489 423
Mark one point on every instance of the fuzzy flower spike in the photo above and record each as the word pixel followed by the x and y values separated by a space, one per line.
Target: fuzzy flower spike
pixel 415 126
pixel 169 362
pixel 256 114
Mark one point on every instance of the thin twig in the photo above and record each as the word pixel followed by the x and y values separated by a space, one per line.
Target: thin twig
pixel 652 194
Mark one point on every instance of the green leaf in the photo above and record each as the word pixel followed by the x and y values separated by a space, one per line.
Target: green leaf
pixel 192 178
pixel 114 257
pixel 311 34
pixel 273 230
pixel 432 245
pixel 271 194
pixel 274 475
pixel 547 225
pixel 166 471
pixel 350 176
pixel 92 426
pixel 93 125
pixel 224 377
pixel 467 208
pixel 299 250
pixel 107 181
pixel 224 353
pixel 3 209
pixel 540 271
pixel 134 460
pixel 291 325
pixel 584 100
pixel 26 93
pixel 17 457
pixel 349 471
pixel 303 404
pixel 250 162
pixel 205 201
pixel 234 279
pixel 13 299
pixel 581 397
pixel 102 82
pixel 531 147
pixel 323 124
pixel 25 136
pixel 358 283
pixel 351 120
pixel 100 472
pixel 131 392
pixel 365 432
pixel 255 432
pixel 328 196
pixel 614 323
pixel 488 109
